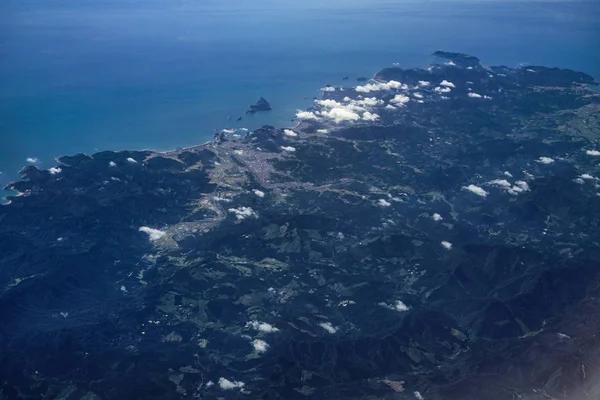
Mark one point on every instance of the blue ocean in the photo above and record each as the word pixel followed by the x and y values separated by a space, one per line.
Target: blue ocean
pixel 88 75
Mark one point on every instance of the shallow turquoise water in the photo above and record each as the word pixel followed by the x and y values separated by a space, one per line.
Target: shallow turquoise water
pixel 82 76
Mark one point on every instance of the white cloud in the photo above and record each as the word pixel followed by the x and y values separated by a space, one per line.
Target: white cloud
pixel 153 234
pixel 242 212
pixel 400 99
pixel 32 160
pixel 506 173
pixel 474 95
pixel 289 132
pixel 306 115
pixel 262 326
pixel 328 327
pixel 451 63
pixel 476 189
pixel 209 384
pixel 390 107
pixel 400 306
pixel 367 116
pixel 440 89
pixel 500 182
pixel 288 148
pixel 545 160
pixel 322 130
pixel 424 83
pixel 339 114
pixel 384 203
pixel 592 152
pixel 259 193
pixel 226 384
pixel 447 84
pixel 330 103
pixel 260 346
pixel 418 95
pixel 369 102
pixel 112 164
pixel 378 86
pixel 579 180
pixel 417 394
pixel 228 131
pixel 436 217
pixel 523 185
pixel 586 176
pixel 346 99
pixel 397 306
pixel 55 170
pixel 328 89
pixel 446 245
pixel 238 152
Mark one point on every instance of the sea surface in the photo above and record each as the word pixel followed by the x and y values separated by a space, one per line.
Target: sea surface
pixel 88 75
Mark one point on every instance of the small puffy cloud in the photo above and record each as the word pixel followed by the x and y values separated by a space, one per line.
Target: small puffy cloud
pixel 451 63
pixel 32 160
pixel 400 99
pixel 153 234
pixel 523 185
pixel 260 346
pixel 545 160
pixel 289 132
pixel 367 116
pixel 339 114
pixel 259 193
pixel 500 182
pixel 328 89
pixel 242 212
pixel 228 131
pixel 579 180
pixel 346 99
pixel 447 84
pixel 390 107
pixel 288 148
pixel 586 176
pixel 418 95
pixel 55 170
pixel 238 152
pixel 379 86
pixel 592 153
pixel 436 217
pixel 447 245
pixel 397 306
pixel 306 115
pixel 384 203
pixel 474 95
pixel 424 83
pixel 322 130
pixel 369 102
pixel 476 189
pixel 400 306
pixel 328 327
pixel 418 395
pixel 226 384
pixel 440 89
pixel 506 173
pixel 262 327
pixel 131 160
pixel 112 164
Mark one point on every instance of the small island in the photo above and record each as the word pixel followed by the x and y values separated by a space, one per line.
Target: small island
pixel 261 105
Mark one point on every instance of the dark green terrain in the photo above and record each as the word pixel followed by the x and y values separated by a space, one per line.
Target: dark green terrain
pixel 444 239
